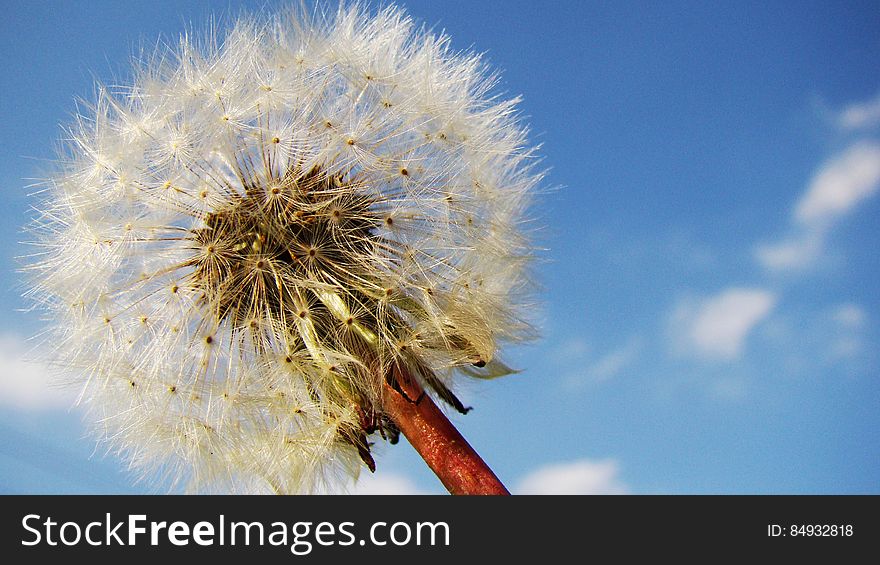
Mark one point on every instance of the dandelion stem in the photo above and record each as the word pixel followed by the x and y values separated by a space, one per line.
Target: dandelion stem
pixel 444 449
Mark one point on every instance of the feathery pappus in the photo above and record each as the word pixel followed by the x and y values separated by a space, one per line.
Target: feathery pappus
pixel 239 247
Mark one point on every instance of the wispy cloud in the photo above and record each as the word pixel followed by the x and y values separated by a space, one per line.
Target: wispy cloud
pixel 824 340
pixel 572 350
pixel 613 363
pixel 24 384
pixel 860 115
pixel 718 326
pixel 794 253
pixel 847 341
pixel 386 483
pixel 583 476
pixel 841 184
pixel 850 316
pixel 581 368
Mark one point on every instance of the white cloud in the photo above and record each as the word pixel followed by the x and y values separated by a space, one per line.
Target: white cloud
pixel 845 348
pixel 26 384
pixel 843 182
pixel 718 326
pixel 839 186
pixel 611 364
pixel 847 339
pixel 861 115
pixel 569 351
pixel 583 476
pixel 823 341
pixel 386 483
pixel 583 369
pixel 850 316
pixel 793 254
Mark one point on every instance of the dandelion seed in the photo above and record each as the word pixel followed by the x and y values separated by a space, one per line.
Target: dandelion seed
pixel 318 194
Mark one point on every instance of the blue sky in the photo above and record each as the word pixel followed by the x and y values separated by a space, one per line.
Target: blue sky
pixel 711 315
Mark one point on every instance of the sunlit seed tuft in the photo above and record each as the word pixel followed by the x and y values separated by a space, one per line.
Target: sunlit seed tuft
pixel 384 235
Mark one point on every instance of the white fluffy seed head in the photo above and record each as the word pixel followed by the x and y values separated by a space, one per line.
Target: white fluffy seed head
pixel 239 247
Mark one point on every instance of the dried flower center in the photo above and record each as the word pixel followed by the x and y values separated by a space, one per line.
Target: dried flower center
pixel 302 248
pixel 257 253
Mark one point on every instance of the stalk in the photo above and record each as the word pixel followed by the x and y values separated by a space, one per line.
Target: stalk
pixel 444 449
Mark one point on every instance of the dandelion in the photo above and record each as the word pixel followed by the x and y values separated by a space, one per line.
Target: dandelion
pixel 277 245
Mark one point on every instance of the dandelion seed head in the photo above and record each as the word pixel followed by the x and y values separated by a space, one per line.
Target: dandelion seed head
pixel 239 247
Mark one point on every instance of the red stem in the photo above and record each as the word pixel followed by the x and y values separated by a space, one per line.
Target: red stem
pixel 434 437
